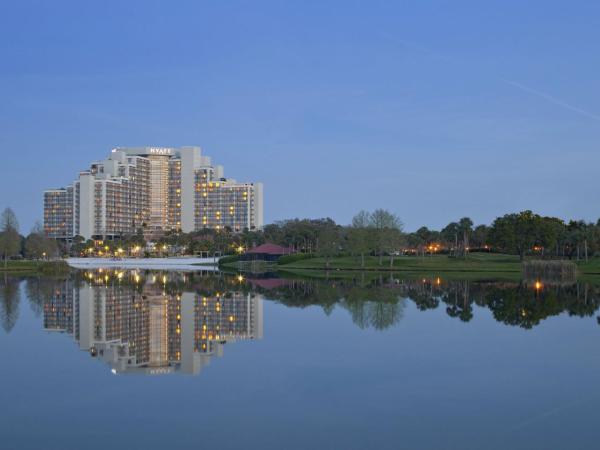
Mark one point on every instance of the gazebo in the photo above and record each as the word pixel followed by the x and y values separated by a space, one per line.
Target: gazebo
pixel 266 252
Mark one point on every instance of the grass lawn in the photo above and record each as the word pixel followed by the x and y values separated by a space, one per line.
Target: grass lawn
pixel 474 266
pixel 592 267
pixel 18 266
pixel 475 262
pixel 28 267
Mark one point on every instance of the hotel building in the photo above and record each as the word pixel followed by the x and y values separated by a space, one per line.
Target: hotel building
pixel 155 189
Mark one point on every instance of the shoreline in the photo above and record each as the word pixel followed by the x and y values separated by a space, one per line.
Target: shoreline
pixel 175 263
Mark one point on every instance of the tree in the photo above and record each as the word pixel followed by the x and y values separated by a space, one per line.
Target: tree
pixel 393 240
pixel 360 236
pixel 416 241
pixel 424 236
pixel 450 236
pixel 37 245
pixel 479 237
pixel 579 233
pixel 383 222
pixel 465 228
pixel 362 219
pixel 10 240
pixel 8 220
pixel 516 233
pixel 329 243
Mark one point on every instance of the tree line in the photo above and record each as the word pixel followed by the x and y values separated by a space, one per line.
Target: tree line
pixel 379 233
pixel 33 246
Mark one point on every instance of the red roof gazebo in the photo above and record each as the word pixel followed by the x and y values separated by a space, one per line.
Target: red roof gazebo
pixel 267 252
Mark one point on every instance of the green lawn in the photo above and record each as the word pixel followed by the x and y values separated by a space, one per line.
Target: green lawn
pixel 477 262
pixel 592 267
pixel 476 266
pixel 41 267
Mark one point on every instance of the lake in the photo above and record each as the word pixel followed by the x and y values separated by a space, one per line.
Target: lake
pixel 162 359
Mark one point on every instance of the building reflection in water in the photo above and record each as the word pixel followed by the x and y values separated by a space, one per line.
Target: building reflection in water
pixel 147 326
pixel 167 322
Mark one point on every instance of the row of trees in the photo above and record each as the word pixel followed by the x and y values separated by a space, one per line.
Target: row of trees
pixel 376 233
pixel 33 246
pixel 207 242
pixel 515 304
pixel 517 233
pixel 371 233
pixel 381 233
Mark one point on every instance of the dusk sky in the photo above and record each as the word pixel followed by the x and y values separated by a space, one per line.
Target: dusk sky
pixel 433 110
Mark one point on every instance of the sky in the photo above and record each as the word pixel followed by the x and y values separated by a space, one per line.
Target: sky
pixel 434 110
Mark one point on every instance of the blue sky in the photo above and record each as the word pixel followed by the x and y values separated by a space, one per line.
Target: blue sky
pixel 432 109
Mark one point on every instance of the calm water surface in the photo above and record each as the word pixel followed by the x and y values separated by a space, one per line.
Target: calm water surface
pixel 165 359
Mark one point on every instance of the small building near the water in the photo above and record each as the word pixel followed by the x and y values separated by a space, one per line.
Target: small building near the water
pixel 266 252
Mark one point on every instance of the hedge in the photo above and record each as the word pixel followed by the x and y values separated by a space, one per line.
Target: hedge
pixel 229 259
pixel 287 259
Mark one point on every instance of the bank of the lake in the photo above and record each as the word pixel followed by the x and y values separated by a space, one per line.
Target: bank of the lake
pixel 476 265
pixel 477 262
pixel 32 267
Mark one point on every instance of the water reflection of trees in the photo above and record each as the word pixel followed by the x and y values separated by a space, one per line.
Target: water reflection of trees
pixel 10 298
pixel 376 303
pixel 380 303
pixel 39 290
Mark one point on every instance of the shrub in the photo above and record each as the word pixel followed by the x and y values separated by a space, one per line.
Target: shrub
pixel 53 268
pixel 287 259
pixel 228 259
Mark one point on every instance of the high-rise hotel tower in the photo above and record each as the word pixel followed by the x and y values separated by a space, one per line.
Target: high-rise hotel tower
pixel 155 189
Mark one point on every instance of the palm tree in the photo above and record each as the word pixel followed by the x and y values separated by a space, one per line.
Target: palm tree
pixel 465 227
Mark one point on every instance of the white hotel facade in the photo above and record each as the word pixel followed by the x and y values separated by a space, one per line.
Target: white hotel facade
pixel 155 189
